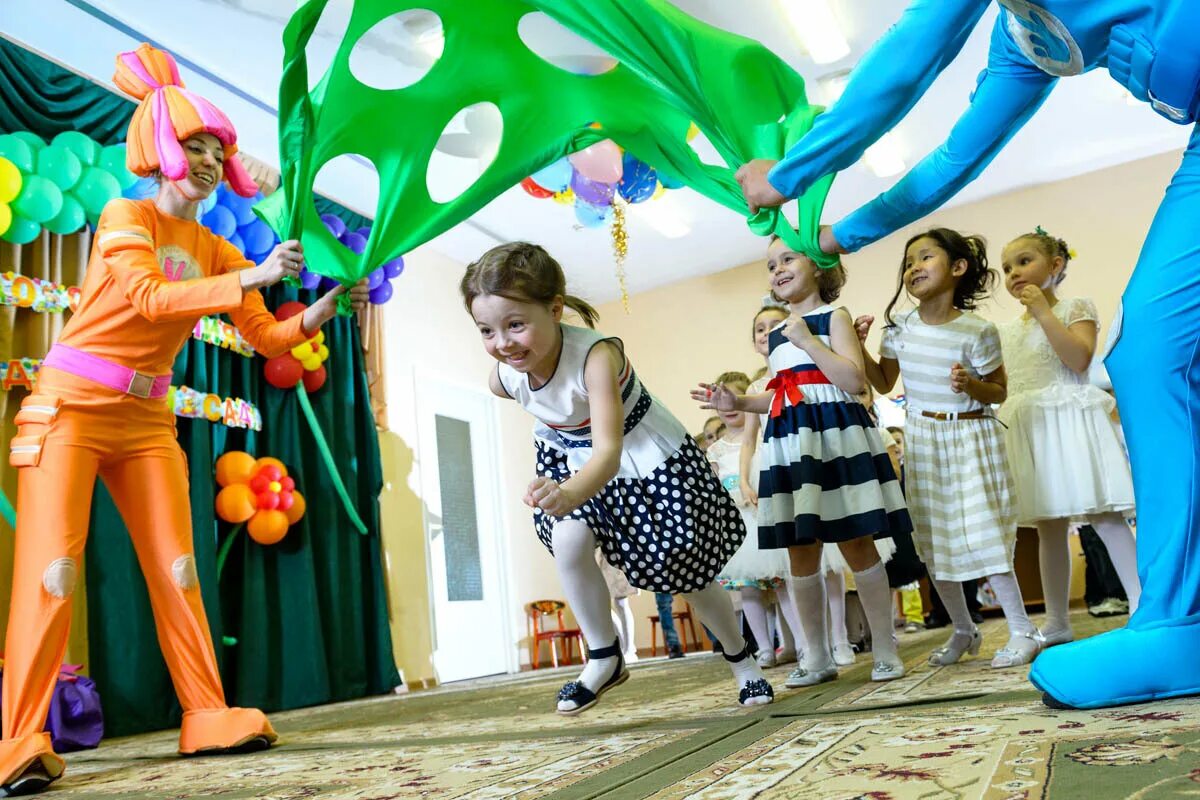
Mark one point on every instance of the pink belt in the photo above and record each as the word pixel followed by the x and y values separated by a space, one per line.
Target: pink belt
pixel 106 373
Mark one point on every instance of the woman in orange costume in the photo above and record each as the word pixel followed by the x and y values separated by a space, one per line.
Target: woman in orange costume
pixel 100 408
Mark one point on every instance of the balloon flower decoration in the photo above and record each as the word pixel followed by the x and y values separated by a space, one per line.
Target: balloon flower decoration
pixel 378 279
pixel 304 364
pixel 58 186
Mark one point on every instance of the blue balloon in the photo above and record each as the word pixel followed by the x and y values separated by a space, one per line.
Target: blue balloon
pixel 327 284
pixel 355 242
pixel 638 181
pixel 220 220
pixel 242 207
pixel 334 224
pixel 258 236
pixel 144 188
pixel 375 277
pixel 364 231
pixel 591 216
pixel 381 294
pixel 237 242
pixel 555 177
pixel 309 279
pixel 393 268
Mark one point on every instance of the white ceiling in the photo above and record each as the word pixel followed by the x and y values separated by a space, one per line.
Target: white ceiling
pixel 1085 125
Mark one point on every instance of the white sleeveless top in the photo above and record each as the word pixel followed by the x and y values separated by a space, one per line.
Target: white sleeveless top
pixel 652 434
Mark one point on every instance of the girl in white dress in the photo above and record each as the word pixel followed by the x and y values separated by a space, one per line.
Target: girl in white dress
pixel 1063 446
pixel 959 486
pixel 614 468
pixel 752 572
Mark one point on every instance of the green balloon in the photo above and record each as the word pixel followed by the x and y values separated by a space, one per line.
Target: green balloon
pixel 39 200
pixel 18 151
pixel 21 231
pixel 95 188
pixel 70 219
pixel 80 144
pixel 59 165
pixel 112 160
pixel 30 138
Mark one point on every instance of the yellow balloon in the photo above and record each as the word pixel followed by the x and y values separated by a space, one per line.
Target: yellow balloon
pixel 566 197
pixel 5 218
pixel 302 351
pixel 10 182
pixel 319 338
pixel 311 364
pixel 323 353
pixel 659 191
pixel 692 131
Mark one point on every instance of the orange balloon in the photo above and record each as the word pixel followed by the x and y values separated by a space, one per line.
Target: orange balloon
pixel 267 527
pixel 236 503
pixel 296 510
pixel 234 467
pixel 262 462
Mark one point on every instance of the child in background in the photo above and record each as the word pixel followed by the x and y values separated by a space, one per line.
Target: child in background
pixel 958 483
pixel 824 474
pixel 1063 446
pixel 752 572
pixel 614 468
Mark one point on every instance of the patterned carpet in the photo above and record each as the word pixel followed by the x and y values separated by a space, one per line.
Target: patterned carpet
pixel 674 732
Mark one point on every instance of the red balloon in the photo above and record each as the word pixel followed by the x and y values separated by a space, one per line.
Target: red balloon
pixel 271 473
pixel 314 380
pixel 285 501
pixel 283 372
pixel 268 501
pixel 288 484
pixel 259 483
pixel 289 310
pixel 532 188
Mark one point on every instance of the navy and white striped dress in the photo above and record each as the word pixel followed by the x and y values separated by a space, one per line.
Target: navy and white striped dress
pixel 825 475
pixel 665 520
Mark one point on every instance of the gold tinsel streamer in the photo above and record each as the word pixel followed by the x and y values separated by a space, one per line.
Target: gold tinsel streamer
pixel 620 242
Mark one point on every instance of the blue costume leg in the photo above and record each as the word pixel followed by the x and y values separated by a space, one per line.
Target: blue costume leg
pixel 1155 370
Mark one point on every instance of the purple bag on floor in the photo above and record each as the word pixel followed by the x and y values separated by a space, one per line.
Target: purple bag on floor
pixel 75 720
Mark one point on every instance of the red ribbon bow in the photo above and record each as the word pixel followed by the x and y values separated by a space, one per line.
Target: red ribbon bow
pixel 785 384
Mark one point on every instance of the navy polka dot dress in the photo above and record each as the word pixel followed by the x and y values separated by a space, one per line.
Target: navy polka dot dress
pixel 665 520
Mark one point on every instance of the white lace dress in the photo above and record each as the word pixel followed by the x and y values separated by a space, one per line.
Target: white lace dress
pixel 1062 443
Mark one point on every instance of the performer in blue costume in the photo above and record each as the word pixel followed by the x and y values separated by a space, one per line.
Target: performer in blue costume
pixel 1152 47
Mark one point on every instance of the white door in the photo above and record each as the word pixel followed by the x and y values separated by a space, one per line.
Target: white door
pixel 464 531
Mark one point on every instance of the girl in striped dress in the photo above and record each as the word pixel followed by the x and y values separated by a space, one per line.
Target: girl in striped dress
pixel 824 474
pixel 958 482
pixel 614 468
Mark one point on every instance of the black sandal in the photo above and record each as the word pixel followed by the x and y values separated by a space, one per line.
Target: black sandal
pixel 585 698
pixel 33 780
pixel 751 689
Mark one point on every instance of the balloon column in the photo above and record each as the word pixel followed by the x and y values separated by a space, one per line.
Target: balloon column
pixel 259 494
pixel 228 214
pixel 378 280
pixel 60 186
pixel 304 363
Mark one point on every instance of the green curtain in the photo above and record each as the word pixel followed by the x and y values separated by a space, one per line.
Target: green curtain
pixel 309 614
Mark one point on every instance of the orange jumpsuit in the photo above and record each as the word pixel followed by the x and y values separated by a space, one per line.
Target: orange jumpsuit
pixel 150 277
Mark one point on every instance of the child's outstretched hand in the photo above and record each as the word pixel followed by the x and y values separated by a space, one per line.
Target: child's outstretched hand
pixel 550 497
pixel 959 378
pixel 862 326
pixel 715 396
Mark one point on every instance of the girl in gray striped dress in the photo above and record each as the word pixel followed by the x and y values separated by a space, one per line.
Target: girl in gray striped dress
pixel 959 487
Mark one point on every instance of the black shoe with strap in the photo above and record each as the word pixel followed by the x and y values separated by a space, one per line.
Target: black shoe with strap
pixel 583 697
pixel 751 689
pixel 33 780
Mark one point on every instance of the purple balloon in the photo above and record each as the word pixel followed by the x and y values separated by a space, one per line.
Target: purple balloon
pixel 393 268
pixel 355 242
pixel 592 192
pixel 381 293
pixel 220 220
pixel 327 284
pixel 309 279
pixel 364 231
pixel 375 277
pixel 334 224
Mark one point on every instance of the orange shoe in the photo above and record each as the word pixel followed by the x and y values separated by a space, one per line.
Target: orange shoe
pixel 225 730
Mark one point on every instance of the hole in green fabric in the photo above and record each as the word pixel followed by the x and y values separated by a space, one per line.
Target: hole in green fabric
pixel 350 172
pixel 399 50
pixel 467 147
pixel 557 45
pixel 705 151
pixel 326 38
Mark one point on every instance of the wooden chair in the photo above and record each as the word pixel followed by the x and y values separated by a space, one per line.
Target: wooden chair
pixel 534 612
pixel 681 616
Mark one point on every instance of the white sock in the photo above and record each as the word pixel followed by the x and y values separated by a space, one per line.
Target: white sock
pixel 715 611
pixel 1054 562
pixel 756 618
pixel 1008 594
pixel 955 601
pixel 791 614
pixel 812 603
pixel 1114 531
pixel 588 597
pixel 876 597
pixel 835 592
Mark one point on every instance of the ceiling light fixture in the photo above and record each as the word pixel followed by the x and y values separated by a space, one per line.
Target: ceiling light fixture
pixel 818 29
pixel 664 217
pixel 884 157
